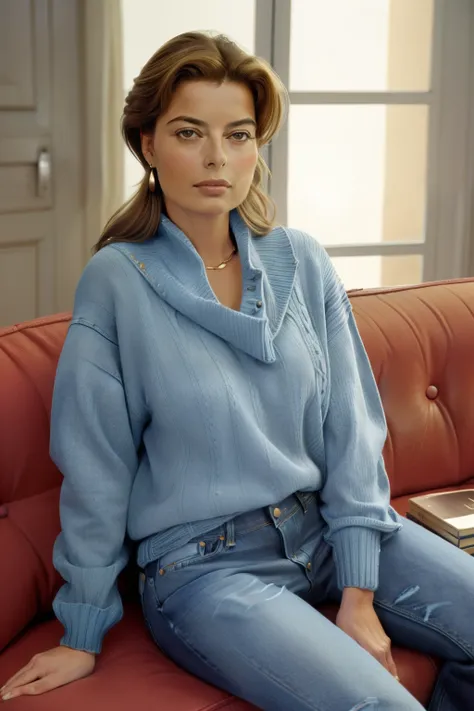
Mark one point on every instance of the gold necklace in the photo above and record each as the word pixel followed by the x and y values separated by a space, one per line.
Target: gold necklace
pixel 223 264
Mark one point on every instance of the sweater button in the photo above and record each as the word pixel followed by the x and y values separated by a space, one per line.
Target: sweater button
pixel 259 304
pixel 277 512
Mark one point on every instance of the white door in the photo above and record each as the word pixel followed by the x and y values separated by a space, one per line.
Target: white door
pixel 30 212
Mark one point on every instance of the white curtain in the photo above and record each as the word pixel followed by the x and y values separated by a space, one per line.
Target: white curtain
pixel 104 99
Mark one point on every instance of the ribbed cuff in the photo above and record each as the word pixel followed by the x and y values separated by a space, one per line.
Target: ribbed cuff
pixel 85 626
pixel 356 556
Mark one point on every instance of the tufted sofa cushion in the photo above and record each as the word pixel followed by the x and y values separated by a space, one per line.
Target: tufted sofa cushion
pixel 29 481
pixel 420 341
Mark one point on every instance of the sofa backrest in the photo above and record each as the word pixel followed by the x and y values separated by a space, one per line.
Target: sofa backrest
pixel 29 481
pixel 421 344
pixel 420 341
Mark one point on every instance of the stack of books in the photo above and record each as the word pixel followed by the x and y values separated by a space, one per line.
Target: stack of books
pixel 450 514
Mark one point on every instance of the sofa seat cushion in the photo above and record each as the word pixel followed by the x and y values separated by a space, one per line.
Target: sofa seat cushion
pixel 131 671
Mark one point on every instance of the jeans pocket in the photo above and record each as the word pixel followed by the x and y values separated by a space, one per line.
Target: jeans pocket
pixel 179 567
pixel 196 551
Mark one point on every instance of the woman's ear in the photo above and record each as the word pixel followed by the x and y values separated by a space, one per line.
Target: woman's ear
pixel 146 140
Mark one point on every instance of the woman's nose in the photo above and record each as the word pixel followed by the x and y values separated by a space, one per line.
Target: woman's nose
pixel 216 157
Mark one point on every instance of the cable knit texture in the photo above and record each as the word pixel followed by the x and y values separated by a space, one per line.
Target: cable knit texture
pixel 172 413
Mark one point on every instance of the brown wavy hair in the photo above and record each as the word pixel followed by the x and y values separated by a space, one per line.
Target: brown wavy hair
pixel 194 56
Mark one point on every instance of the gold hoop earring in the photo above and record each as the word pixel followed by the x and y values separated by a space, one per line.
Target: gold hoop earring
pixel 152 180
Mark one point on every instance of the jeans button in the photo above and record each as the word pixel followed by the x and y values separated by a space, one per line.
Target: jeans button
pixel 277 512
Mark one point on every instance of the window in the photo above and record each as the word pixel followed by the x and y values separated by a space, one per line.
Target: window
pixel 374 159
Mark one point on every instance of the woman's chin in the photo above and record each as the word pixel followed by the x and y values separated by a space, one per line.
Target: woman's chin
pixel 213 206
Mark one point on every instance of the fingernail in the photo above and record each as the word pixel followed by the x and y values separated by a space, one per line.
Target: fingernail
pixel 5 697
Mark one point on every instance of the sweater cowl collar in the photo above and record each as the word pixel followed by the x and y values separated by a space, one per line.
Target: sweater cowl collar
pixel 174 269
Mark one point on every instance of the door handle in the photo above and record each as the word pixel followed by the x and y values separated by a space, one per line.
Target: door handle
pixel 44 170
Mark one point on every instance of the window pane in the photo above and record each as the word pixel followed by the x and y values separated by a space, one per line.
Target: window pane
pixel 147 24
pixel 357 174
pixel 361 45
pixel 372 272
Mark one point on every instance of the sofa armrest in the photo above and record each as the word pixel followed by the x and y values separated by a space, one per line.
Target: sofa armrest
pixel 28 529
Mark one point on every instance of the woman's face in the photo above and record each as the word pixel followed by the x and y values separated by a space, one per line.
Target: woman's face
pixel 207 134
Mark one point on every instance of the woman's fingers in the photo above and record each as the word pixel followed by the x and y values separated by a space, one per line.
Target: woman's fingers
pixel 39 686
pixel 390 664
pixel 25 676
pixel 17 675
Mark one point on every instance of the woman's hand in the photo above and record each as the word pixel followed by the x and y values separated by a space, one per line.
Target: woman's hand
pixel 358 619
pixel 47 671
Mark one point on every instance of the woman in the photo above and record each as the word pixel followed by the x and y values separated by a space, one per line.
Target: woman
pixel 214 403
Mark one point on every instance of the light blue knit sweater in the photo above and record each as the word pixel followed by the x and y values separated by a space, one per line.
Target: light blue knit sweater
pixel 172 413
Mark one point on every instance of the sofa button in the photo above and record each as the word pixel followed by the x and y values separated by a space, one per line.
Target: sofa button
pixel 3 511
pixel 432 392
pixel 277 512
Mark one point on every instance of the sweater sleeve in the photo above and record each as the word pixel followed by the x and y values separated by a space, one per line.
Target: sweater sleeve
pixel 356 492
pixel 93 445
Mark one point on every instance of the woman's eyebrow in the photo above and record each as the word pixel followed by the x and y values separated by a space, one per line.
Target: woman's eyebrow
pixel 198 122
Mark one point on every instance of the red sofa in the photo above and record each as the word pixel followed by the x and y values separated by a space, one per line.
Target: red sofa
pixel 421 342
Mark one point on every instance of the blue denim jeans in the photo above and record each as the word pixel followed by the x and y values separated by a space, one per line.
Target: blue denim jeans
pixel 235 608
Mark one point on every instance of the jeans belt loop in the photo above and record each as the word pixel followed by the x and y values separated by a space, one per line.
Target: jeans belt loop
pixel 302 501
pixel 229 534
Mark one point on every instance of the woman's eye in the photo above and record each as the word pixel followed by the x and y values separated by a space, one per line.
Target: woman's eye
pixel 241 136
pixel 186 133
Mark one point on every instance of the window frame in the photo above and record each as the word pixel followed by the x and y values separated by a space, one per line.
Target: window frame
pixel 446 250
